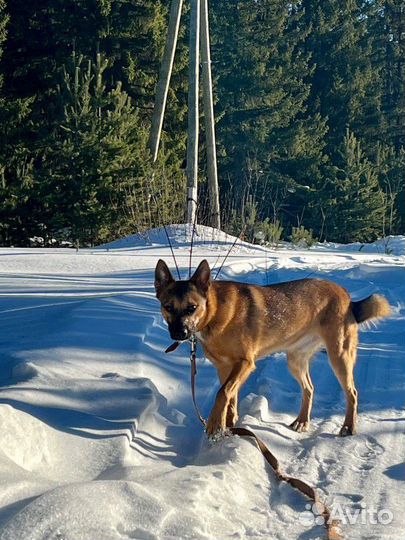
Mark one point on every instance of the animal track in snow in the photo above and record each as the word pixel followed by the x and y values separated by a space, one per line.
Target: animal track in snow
pixel 366 451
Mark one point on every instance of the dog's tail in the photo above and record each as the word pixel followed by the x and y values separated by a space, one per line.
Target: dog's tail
pixel 373 307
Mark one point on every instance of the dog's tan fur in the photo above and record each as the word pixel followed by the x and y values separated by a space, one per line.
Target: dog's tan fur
pixel 237 324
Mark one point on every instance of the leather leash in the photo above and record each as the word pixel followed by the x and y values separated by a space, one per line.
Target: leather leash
pixel 193 361
pixel 332 526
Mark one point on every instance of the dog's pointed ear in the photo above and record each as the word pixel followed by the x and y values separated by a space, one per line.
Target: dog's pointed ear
pixel 163 277
pixel 202 276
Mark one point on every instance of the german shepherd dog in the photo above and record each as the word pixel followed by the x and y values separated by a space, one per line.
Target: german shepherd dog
pixel 238 323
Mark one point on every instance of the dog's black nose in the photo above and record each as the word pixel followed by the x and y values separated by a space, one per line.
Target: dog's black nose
pixel 179 335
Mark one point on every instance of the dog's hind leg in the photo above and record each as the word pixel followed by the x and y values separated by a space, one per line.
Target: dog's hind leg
pixel 341 342
pixel 298 364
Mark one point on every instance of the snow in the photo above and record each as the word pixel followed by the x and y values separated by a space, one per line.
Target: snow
pixel 99 439
pixel 390 245
pixel 181 235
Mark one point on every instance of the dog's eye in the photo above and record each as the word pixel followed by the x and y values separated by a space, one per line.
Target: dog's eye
pixel 169 308
pixel 190 309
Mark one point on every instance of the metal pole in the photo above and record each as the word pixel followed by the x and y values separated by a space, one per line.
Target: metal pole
pixel 164 77
pixel 192 136
pixel 212 174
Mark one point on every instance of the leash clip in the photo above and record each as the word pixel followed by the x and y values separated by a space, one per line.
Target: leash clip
pixel 193 345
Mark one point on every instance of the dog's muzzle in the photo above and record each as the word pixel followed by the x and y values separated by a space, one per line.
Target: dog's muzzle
pixel 179 334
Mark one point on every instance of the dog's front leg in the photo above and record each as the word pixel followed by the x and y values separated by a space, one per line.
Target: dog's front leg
pixel 238 375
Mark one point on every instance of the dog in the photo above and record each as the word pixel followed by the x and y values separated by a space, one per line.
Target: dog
pixel 238 324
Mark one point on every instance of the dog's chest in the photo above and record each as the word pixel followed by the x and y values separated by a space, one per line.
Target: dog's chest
pixel 211 351
pixel 200 337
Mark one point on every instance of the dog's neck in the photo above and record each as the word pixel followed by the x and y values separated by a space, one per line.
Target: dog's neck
pixel 211 309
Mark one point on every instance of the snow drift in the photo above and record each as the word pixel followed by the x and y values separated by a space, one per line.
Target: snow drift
pixel 99 438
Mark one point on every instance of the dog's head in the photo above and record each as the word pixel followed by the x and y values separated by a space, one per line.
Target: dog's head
pixel 183 303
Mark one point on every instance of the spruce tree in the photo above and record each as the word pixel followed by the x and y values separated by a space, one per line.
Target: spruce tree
pixel 290 80
pixel 95 171
pixel 344 84
pixel 265 131
pixel 390 15
pixel 16 161
pixel 42 36
pixel 353 202
pixel 353 47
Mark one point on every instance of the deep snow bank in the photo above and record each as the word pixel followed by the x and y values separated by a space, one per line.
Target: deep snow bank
pixel 99 439
pixel 181 235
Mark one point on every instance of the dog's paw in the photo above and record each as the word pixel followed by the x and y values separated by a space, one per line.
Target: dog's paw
pixel 219 435
pixel 300 425
pixel 346 431
pixel 215 424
